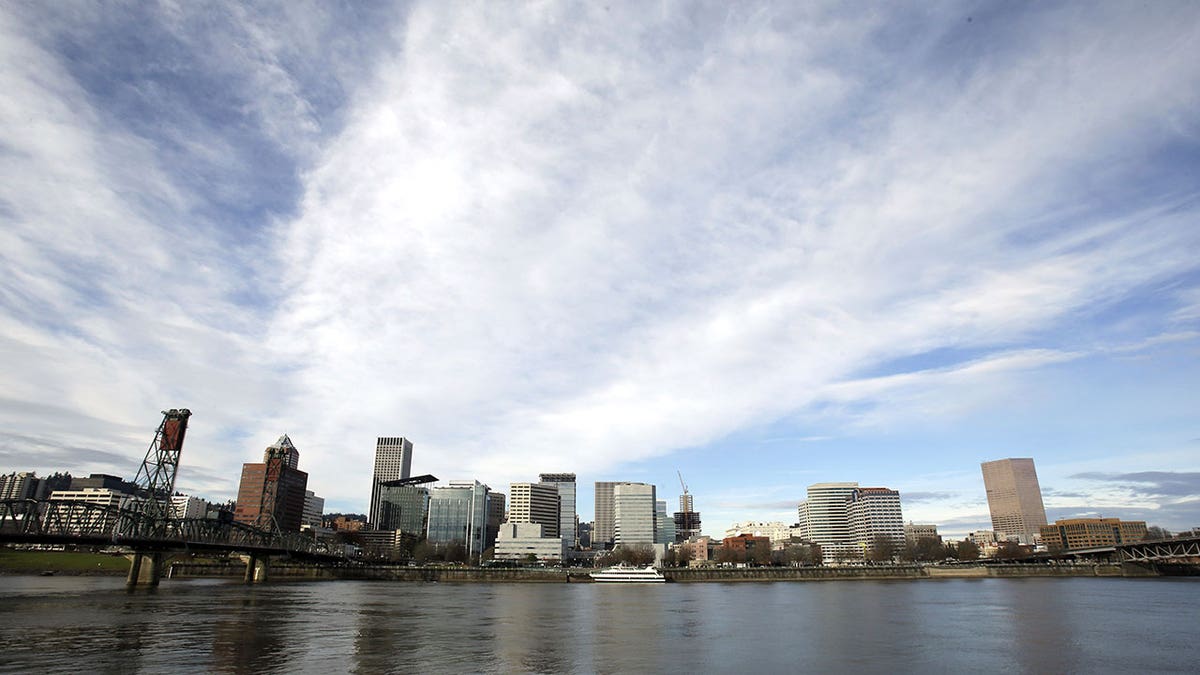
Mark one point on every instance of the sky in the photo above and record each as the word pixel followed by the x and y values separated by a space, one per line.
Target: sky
pixel 764 245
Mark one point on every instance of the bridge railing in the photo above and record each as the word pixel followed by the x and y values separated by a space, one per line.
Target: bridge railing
pixel 30 519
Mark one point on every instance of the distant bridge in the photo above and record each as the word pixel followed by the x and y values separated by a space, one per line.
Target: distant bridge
pixel 1182 551
pixel 64 522
pixel 143 524
pixel 150 538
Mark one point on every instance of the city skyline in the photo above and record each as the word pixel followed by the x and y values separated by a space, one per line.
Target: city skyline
pixel 767 246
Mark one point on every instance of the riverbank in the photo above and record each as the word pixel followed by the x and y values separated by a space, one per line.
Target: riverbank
pixel 288 571
pixel 66 563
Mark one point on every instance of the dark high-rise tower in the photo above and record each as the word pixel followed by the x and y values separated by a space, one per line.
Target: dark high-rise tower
pixel 271 494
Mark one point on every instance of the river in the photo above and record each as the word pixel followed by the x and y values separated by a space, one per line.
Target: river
pixel 1042 625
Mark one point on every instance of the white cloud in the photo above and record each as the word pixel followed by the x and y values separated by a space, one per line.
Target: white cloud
pixel 544 241
pixel 589 245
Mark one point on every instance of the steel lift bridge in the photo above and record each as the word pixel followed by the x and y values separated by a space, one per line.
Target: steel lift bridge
pixel 144 524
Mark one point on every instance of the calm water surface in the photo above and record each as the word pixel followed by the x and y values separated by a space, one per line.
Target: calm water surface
pixel 64 624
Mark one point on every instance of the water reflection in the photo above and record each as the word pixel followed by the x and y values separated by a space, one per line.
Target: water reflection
pixel 1030 625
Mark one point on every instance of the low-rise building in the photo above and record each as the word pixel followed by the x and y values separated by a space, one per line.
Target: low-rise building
pixel 518 541
pixel 983 538
pixel 914 533
pixel 699 548
pixel 779 533
pixel 747 544
pixel 184 506
pixel 22 485
pixel 314 508
pixel 346 523
pixel 83 518
pixel 1080 533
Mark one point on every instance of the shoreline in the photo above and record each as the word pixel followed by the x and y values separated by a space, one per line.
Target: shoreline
pixel 31 563
pixel 291 572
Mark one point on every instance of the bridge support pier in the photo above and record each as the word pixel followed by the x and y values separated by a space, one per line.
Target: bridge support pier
pixel 144 569
pixel 257 568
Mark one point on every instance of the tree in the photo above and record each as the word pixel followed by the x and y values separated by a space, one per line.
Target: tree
pixel 761 555
pixel 1156 532
pixel 57 481
pixel 455 552
pixel 683 555
pixel 640 554
pixel 1010 550
pixel 815 555
pixel 730 556
pixel 929 549
pixel 881 549
pixel 967 550
pixel 422 552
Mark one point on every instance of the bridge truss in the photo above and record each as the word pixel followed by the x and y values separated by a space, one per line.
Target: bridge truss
pixel 62 522
pixel 1166 550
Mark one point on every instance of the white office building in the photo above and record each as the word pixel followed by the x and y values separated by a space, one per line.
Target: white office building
pixel 184 506
pixel 875 519
pixel 824 519
pixel 83 519
pixel 535 503
pixel 517 541
pixel 393 461
pixel 314 509
pixel 847 521
pixel 779 533
pixel 634 514
pixel 21 485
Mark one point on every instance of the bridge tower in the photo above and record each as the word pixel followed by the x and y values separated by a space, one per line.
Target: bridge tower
pixel 156 477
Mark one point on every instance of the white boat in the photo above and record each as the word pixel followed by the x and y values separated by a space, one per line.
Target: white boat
pixel 625 574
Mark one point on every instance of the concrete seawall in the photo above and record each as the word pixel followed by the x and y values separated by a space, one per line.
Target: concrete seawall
pixel 292 571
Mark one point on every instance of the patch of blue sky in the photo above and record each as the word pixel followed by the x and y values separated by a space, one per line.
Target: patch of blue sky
pixel 933 359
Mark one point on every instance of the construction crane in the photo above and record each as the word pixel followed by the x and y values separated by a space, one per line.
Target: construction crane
pixel 685 499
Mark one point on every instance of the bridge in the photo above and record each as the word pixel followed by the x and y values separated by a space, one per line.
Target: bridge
pixel 1157 552
pixel 143 523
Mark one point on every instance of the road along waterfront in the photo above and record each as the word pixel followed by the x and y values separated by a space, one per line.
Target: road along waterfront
pixel 1060 625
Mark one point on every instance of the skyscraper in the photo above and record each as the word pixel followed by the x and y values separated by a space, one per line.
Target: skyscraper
pixel 565 482
pixel 535 503
pixel 687 520
pixel 1014 498
pixel 271 494
pixel 876 522
pixel 602 528
pixel 664 525
pixel 633 514
pixel 393 461
pixel 849 521
pixel 825 518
